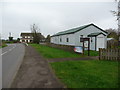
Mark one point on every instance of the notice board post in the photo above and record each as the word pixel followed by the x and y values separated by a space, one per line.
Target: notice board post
pixel 83 40
pixel 83 47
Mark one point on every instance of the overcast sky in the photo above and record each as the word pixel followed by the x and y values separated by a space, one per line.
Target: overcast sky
pixel 53 17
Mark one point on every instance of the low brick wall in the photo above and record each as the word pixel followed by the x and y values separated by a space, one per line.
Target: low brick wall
pixel 63 47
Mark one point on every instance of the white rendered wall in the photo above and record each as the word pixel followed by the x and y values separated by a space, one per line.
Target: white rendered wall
pixel 56 39
pixel 74 39
pixel 28 41
pixel 71 40
pixel 20 40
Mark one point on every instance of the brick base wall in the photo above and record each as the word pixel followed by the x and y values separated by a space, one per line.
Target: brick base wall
pixel 63 47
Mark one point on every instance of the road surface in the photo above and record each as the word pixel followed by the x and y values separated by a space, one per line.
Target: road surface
pixel 12 56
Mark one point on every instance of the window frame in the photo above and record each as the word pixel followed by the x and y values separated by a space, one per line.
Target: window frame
pixel 60 39
pixel 81 36
pixel 67 39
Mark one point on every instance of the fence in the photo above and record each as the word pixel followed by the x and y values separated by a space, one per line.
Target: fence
pixel 109 54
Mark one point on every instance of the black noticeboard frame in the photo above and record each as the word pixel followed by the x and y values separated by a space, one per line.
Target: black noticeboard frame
pixel 83 40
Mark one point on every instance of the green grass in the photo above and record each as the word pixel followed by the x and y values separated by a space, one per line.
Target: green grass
pixel 87 74
pixel 92 53
pixel 49 52
pixel 3 45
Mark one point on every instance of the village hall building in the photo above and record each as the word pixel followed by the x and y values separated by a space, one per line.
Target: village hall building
pixel 96 35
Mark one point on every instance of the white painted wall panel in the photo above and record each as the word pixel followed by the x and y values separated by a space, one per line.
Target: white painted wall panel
pixel 101 41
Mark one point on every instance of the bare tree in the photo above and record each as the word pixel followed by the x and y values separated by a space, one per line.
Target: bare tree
pixel 117 14
pixel 119 19
pixel 112 33
pixel 36 33
pixel 48 39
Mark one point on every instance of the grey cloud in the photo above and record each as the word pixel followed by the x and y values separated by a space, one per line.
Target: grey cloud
pixel 55 17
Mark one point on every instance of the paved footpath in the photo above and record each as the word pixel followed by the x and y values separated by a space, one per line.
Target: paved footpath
pixel 35 72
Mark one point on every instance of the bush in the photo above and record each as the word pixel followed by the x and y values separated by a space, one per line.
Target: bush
pixel 112 44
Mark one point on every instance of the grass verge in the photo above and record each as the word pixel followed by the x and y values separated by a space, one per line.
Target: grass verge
pixel 49 52
pixel 92 53
pixel 87 74
pixel 3 45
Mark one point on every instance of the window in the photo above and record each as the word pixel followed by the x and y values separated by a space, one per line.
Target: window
pixel 28 36
pixel 26 41
pixel 67 39
pixel 60 40
pixel 23 40
pixel 81 36
pixel 91 39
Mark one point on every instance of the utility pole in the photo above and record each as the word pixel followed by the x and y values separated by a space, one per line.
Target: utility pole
pixel 10 37
pixel 9 34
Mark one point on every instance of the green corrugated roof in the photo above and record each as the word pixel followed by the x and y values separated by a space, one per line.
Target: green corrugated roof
pixel 75 30
pixel 71 30
pixel 95 34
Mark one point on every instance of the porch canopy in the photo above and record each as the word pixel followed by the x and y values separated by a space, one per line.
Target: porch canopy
pixel 95 34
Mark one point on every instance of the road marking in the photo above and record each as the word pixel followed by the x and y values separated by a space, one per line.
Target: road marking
pixel 3 53
pixel 26 44
pixel 9 50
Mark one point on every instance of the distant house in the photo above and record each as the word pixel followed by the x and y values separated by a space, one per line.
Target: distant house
pixel 97 36
pixel 28 37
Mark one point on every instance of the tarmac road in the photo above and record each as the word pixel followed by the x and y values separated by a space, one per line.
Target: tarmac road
pixel 12 57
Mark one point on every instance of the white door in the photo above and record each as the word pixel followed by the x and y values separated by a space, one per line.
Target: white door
pixel 92 43
pixel 100 42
